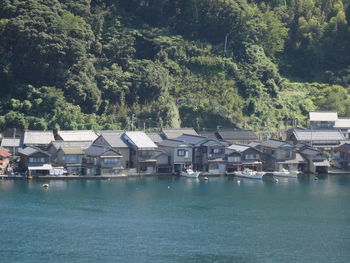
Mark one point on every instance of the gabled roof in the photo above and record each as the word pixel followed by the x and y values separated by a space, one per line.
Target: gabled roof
pixel 192 139
pixel 239 147
pixel 30 150
pixel 11 142
pixel 236 135
pixel 4 153
pixel 71 150
pixel 345 148
pixel 81 144
pixel 318 135
pixel 211 143
pixel 172 133
pixel 139 139
pixel 208 134
pixel 154 136
pixel 310 151
pixel 38 137
pixel 323 116
pixel 342 123
pixel 114 139
pixel 99 132
pixel 77 135
pixel 172 143
pixel 275 144
pixel 99 150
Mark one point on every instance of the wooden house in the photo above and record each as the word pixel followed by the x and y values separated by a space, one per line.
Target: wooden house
pixel 34 161
pixel 236 136
pixel 4 160
pixel 241 156
pixel 71 158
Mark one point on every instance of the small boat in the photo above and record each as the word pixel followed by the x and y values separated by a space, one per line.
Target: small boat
pixel 190 173
pixel 285 173
pixel 46 185
pixel 248 173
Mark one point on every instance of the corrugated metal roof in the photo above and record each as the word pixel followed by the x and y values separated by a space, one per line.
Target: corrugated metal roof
pixel 342 123
pixel 114 139
pixel 319 135
pixel 176 132
pixel 78 135
pixel 140 139
pixel 237 135
pixel 191 139
pixel 72 150
pixel 11 142
pixel 38 137
pixel 323 116
pixel 239 147
pixel 154 136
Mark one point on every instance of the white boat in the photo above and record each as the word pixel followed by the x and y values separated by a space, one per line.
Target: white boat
pixel 285 173
pixel 248 173
pixel 190 173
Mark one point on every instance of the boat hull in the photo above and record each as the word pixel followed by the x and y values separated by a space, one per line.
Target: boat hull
pixel 286 174
pixel 257 176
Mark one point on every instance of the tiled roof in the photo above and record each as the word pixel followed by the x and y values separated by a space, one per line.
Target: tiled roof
pixel 154 136
pixel 174 133
pixel 319 135
pixel 81 144
pixel 139 139
pixel 31 150
pixel 208 134
pixel 272 143
pixel 237 135
pixel 239 147
pixel 345 148
pixel 191 139
pixel 172 143
pixel 114 139
pixel 98 150
pixel 38 137
pixel 72 150
pixel 4 153
pixel 210 143
pixel 78 135
pixel 323 116
pixel 11 142
pixel 99 132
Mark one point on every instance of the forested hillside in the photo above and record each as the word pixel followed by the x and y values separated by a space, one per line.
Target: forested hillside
pixel 76 64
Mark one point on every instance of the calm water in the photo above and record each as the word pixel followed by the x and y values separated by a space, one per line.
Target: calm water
pixel 176 220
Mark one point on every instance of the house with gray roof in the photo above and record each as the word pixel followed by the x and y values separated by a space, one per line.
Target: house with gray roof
pixel 102 160
pixel 213 153
pixel 317 162
pixel 241 156
pixel 11 144
pixel 71 158
pixel 322 119
pixel 142 152
pixel 116 142
pixel 40 139
pixel 172 133
pixel 34 160
pixel 236 135
pixel 324 140
pixel 154 136
pixel 76 135
pixel 54 146
pixel 180 154
pixel 281 155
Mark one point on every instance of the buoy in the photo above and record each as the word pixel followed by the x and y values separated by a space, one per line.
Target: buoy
pixel 206 178
pixel 46 185
pixel 238 181
pixel 276 180
pixel 168 187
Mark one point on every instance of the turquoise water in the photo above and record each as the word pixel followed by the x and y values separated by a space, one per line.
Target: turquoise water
pixel 176 220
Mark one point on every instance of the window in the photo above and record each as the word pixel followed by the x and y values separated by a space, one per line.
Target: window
pixel 182 152
pixel 250 156
pixel 36 159
pixel 72 158
pixel 234 159
pixel 110 160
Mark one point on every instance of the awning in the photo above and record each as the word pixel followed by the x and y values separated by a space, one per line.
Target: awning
pixel 322 163
pixel 45 167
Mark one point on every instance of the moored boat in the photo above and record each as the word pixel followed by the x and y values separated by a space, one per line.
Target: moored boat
pixel 248 173
pixel 190 173
pixel 286 173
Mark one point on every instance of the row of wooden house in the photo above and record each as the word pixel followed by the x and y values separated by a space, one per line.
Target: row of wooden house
pixel 169 151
